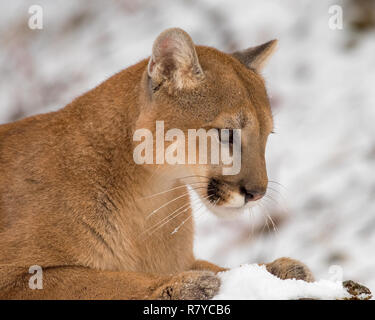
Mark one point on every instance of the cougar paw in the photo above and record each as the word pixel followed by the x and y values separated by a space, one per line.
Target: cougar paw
pixel 191 285
pixel 286 268
pixel 357 291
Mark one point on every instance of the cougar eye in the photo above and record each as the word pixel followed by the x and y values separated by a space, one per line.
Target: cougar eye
pixel 225 135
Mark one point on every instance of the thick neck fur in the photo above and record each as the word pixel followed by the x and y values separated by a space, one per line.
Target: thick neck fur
pixel 112 110
pixel 92 169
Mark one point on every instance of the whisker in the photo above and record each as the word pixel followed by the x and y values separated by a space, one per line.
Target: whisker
pixel 169 215
pixel 277 192
pixel 183 222
pixel 282 203
pixel 153 173
pixel 273 223
pixel 271 220
pixel 266 219
pixel 274 190
pixel 167 203
pixel 278 183
pixel 193 176
pixel 190 216
pixel 268 197
pixel 202 206
pixel 251 217
pixel 169 190
pixel 155 226
pixel 160 226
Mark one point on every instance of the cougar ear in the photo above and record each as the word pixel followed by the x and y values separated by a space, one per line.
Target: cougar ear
pixel 174 59
pixel 256 57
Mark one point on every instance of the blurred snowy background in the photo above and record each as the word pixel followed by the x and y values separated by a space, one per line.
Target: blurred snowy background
pixel 321 83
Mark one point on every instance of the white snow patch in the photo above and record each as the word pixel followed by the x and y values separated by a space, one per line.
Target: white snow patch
pixel 254 282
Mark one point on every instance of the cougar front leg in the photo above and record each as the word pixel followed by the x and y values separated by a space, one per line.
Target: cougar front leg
pixel 189 285
pixel 84 283
pixel 205 265
pixel 287 268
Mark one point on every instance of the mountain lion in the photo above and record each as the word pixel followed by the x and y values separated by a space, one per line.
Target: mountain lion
pixel 73 201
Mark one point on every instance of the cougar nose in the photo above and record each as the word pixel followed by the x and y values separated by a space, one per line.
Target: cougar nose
pixel 252 195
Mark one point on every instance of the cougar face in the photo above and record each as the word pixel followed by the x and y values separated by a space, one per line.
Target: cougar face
pixel 202 88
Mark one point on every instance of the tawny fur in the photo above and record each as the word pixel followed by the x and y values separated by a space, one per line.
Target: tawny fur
pixel 72 200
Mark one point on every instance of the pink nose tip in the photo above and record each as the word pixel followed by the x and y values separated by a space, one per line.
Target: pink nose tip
pixel 253 195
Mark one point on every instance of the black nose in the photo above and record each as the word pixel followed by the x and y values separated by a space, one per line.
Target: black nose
pixel 252 195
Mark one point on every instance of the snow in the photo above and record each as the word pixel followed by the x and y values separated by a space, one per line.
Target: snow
pixel 254 282
pixel 321 86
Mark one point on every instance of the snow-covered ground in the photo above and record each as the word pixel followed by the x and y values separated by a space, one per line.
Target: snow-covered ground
pixel 321 87
pixel 254 282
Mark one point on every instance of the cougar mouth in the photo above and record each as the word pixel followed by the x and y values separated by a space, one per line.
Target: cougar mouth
pixel 225 199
